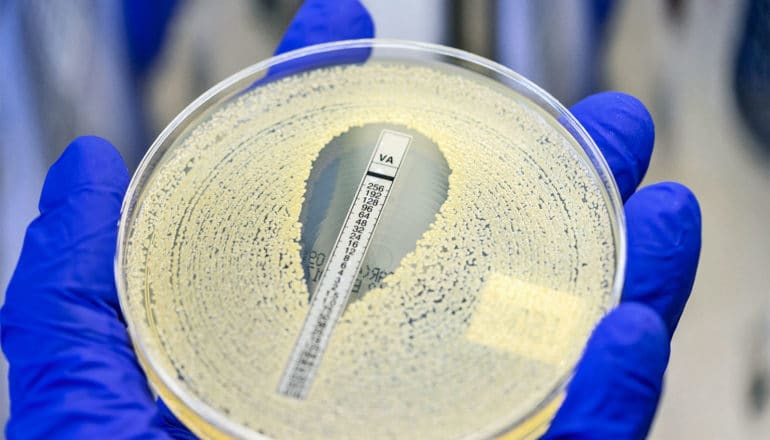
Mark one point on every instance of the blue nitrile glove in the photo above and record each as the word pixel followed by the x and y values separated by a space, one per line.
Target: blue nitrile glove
pixel 145 23
pixel 618 382
pixel 73 373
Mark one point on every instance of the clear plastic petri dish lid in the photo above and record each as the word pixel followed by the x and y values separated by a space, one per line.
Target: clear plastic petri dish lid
pixel 369 238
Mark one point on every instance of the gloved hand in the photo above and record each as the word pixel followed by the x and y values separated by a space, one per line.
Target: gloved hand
pixel 617 384
pixel 73 373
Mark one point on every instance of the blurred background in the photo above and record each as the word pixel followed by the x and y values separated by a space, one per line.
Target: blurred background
pixel 124 69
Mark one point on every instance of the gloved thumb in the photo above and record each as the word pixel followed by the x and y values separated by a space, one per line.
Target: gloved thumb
pixel 72 371
pixel 618 381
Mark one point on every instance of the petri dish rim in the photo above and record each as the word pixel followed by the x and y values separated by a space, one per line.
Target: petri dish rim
pixel 243 80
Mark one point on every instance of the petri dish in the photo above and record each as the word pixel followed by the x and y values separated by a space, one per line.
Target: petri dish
pixel 369 238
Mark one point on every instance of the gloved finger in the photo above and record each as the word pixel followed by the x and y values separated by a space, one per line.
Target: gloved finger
pixel 664 238
pixel 72 370
pixel 623 129
pixel 618 382
pixel 324 21
pixel 146 23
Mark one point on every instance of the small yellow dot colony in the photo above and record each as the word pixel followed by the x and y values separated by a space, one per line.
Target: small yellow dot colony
pixel 473 329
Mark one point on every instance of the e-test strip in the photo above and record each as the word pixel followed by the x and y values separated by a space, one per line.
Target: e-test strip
pixel 331 295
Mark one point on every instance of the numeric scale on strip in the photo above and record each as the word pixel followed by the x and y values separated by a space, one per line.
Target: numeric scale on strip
pixel 336 282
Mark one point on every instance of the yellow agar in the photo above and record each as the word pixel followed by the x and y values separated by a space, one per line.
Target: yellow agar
pixel 468 336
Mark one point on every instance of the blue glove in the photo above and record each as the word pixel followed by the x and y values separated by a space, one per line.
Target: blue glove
pixel 73 373
pixel 617 384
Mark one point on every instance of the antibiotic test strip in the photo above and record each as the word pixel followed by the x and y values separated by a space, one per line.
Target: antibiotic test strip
pixel 337 278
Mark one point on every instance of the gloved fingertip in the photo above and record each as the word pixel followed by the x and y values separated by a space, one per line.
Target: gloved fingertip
pixel 676 208
pixel 323 21
pixel 618 382
pixel 632 334
pixel 623 128
pixel 87 161
pixel 664 242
